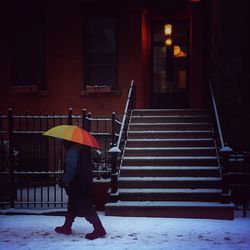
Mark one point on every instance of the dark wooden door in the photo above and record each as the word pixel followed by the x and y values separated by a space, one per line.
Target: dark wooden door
pixel 170 65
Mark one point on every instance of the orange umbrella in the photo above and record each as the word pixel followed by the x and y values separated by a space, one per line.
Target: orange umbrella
pixel 74 134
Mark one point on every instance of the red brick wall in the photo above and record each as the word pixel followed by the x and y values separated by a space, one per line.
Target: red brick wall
pixel 65 60
pixel 64 66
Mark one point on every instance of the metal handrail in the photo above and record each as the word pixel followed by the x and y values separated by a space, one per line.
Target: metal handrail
pixel 225 151
pixel 116 145
pixel 224 148
pixel 125 114
pixel 222 143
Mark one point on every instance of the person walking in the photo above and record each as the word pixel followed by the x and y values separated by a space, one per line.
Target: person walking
pixel 77 181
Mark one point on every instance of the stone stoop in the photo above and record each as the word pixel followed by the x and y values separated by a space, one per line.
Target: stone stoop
pixel 170 168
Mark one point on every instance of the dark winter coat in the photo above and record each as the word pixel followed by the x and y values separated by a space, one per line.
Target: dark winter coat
pixel 77 178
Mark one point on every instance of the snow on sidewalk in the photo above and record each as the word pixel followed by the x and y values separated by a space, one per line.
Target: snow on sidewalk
pixel 33 232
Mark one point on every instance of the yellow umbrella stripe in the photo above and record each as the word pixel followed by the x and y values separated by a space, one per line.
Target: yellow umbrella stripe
pixel 57 131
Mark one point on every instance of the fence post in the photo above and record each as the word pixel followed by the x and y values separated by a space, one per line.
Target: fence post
pixel 246 182
pixel 89 122
pixel 11 158
pixel 70 119
pixel 114 174
pixel 114 151
pixel 225 153
pixel 84 111
pixel 113 129
pixel 1 141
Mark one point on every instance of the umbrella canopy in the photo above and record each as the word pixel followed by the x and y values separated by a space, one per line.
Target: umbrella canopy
pixel 74 134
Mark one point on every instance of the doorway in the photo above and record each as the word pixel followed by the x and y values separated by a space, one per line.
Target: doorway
pixel 169 64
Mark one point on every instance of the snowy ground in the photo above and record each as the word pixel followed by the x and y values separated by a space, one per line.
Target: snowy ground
pixel 33 232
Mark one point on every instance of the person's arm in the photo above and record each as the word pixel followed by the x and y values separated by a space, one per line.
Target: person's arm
pixel 70 165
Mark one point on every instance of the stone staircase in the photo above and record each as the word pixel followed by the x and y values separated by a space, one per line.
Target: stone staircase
pixel 170 168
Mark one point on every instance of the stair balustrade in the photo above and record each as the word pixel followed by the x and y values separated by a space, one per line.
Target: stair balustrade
pixel 224 150
pixel 170 167
pixel 119 141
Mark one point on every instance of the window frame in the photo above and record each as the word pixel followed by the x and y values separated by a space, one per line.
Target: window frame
pixel 32 17
pixel 100 88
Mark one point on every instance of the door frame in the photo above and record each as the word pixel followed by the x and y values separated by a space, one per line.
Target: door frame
pixel 168 19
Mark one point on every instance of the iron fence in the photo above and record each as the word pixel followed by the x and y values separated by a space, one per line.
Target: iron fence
pixel 235 166
pixel 31 164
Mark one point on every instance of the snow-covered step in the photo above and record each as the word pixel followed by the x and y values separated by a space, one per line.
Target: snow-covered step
pixel 170 167
pixel 164 171
pixel 180 134
pixel 169 126
pixel 174 209
pixel 153 142
pixel 153 112
pixel 169 182
pixel 170 161
pixel 170 118
pixel 169 194
pixel 170 151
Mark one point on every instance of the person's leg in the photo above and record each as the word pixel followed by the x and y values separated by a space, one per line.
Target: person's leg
pixel 66 227
pixel 99 230
pixel 69 218
pixel 92 217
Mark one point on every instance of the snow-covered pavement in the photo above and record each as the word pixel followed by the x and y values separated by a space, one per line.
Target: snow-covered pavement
pixel 33 232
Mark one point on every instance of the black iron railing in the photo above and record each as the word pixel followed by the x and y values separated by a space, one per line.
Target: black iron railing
pixel 238 180
pixel 30 164
pixel 235 166
pixel 224 150
pixel 119 141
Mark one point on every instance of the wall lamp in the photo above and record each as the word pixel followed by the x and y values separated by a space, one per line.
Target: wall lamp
pixel 168 33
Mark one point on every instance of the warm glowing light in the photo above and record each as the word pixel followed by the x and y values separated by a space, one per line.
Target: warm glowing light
pixel 168 29
pixel 168 41
pixel 177 50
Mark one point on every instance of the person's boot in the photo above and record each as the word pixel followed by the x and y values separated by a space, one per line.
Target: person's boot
pixel 98 232
pixel 66 227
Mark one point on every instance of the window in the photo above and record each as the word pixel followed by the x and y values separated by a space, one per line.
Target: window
pixel 27 48
pixel 100 67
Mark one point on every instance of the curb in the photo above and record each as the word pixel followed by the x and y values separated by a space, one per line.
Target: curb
pixel 47 212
